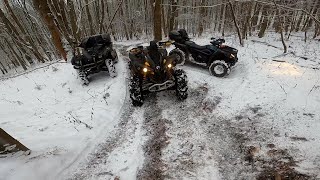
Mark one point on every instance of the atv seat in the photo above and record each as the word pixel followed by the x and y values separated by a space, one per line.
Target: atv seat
pixel 97 40
pixel 194 45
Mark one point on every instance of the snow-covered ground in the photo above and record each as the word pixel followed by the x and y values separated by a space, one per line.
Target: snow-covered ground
pixel 261 120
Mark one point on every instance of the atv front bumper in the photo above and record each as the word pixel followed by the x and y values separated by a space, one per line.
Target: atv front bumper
pixel 151 87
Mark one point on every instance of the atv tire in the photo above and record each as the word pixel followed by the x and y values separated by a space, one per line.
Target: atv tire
pixel 219 68
pixel 180 56
pixel 83 77
pixel 111 68
pixel 114 55
pixel 181 84
pixel 136 94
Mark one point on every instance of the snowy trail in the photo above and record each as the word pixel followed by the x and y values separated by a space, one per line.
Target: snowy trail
pixel 259 121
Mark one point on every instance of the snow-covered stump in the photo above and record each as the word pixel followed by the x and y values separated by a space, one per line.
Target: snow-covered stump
pixel 10 145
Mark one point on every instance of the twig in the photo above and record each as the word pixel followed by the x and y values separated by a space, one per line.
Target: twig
pixel 278 60
pixel 266 44
pixel 80 122
pixel 194 7
pixel 282 88
pixel 114 15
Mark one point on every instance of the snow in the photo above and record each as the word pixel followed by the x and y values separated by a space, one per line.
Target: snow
pixel 43 110
pixel 267 98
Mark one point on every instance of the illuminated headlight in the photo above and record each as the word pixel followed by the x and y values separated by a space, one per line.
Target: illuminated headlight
pixel 145 70
pixel 232 56
pixel 169 65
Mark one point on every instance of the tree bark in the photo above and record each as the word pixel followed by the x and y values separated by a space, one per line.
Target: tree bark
pixel 44 10
pixel 157 30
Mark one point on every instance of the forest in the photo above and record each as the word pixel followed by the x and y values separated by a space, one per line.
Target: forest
pixel 37 31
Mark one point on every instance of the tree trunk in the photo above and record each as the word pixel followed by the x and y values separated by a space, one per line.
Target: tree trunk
pixel 264 23
pixel 157 21
pixel 281 27
pixel 236 23
pixel 44 10
pixel 17 35
pixel 201 17
pixel 89 18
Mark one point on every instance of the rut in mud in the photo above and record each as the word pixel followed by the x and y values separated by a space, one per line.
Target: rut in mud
pixel 155 127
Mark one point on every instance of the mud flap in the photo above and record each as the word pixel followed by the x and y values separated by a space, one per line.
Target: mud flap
pixel 10 145
pixel 111 68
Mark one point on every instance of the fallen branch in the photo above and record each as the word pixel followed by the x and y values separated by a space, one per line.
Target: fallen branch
pixel 281 61
pixel 29 71
pixel 266 44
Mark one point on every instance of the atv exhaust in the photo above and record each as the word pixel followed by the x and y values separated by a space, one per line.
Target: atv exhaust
pixel 161 87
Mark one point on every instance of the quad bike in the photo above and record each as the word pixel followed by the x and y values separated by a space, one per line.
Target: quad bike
pixel 153 71
pixel 217 57
pixel 93 55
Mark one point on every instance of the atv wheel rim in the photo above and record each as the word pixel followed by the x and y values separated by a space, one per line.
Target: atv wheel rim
pixel 219 69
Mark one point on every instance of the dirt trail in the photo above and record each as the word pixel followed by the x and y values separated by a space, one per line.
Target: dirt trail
pixel 155 127
pixel 191 140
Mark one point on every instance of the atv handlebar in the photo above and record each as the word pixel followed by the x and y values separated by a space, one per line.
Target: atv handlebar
pixel 165 43
pixel 217 42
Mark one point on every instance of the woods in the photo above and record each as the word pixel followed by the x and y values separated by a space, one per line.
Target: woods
pixel 34 31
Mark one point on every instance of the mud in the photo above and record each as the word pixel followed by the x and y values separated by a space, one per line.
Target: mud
pixel 155 127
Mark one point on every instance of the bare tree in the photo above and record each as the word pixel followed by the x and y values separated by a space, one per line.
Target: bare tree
pixel 157 20
pixel 45 12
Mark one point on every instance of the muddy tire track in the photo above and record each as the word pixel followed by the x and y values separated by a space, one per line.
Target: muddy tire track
pixel 155 127
pixel 188 155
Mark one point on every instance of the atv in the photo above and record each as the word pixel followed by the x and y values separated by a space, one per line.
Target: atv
pixel 94 54
pixel 217 57
pixel 152 70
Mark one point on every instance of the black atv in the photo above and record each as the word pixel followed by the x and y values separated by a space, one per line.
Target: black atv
pixel 152 71
pixel 93 55
pixel 217 57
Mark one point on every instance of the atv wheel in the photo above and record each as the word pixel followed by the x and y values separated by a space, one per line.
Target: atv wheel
pixel 181 84
pixel 83 76
pixel 219 68
pixel 114 56
pixel 180 56
pixel 111 68
pixel 136 91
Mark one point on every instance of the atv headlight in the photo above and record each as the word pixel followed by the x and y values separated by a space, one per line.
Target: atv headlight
pixel 169 65
pixel 232 56
pixel 145 70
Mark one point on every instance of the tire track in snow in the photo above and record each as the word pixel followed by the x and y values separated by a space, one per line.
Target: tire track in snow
pixel 155 127
pixel 100 153
pixel 189 154
pixel 103 150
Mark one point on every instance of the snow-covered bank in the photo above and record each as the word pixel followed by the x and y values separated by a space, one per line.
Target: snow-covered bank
pixel 270 98
pixel 50 112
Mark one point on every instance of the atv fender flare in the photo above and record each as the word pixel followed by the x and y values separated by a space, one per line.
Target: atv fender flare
pixel 181 54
